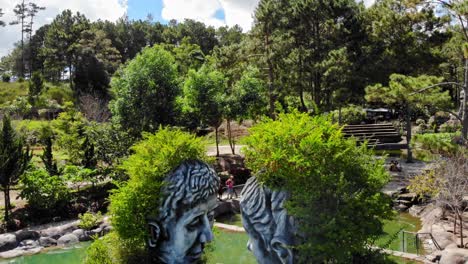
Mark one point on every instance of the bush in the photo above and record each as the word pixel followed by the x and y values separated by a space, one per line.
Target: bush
pixel 89 221
pixel 350 115
pixel 154 157
pixel 43 191
pixel 59 94
pixel 6 77
pixel 131 203
pixel 111 249
pixel 334 185
pixel 427 146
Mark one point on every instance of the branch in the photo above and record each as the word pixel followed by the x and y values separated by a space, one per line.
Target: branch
pixel 457 116
pixel 435 85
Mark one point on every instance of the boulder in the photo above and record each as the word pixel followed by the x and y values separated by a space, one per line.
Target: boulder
pixel 68 239
pixel 82 235
pixel 12 253
pixel 27 234
pixel 47 242
pixel 29 243
pixel 7 242
pixel 454 256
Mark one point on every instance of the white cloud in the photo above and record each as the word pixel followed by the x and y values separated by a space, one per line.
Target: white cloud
pixel 239 12
pixel 93 10
pixel 236 11
pixel 200 10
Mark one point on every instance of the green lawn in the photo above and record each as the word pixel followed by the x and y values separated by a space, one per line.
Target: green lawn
pixel 393 230
pixel 10 91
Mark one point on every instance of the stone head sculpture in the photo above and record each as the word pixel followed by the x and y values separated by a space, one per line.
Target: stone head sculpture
pixel 185 220
pixel 271 230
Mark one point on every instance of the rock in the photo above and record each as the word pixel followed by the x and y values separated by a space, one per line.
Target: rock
pixel 58 231
pixel 28 244
pixel 106 229
pixel 454 256
pixel 12 253
pixel 47 242
pixel 408 197
pixel 27 234
pixel 401 207
pixel 7 242
pixel 82 235
pixel 416 210
pixel 68 239
pixel 96 231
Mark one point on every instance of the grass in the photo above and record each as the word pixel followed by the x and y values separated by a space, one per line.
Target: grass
pixel 393 233
pixel 10 91
pixel 229 248
pixel 30 125
pixel 230 219
pixel 59 92
pixel 400 260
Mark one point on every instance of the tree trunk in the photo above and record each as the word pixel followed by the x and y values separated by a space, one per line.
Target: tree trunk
pixel 6 194
pixel 464 103
pixel 217 143
pixel 460 217
pixel 339 115
pixel 231 140
pixel 271 92
pixel 409 159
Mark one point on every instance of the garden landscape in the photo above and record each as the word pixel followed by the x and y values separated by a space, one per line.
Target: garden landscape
pixel 220 131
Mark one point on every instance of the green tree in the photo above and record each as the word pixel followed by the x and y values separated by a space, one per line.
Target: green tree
pixel 203 98
pixel 145 91
pixel 62 39
pixel 21 13
pixel 405 92
pixel 14 160
pixel 97 60
pixel 334 186
pixel 44 191
pixel 36 85
pixel 89 158
pixel 70 126
pixel 2 23
pixel 33 9
pixel 153 158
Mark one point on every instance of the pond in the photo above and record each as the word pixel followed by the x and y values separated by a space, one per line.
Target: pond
pixel 73 255
pixel 228 247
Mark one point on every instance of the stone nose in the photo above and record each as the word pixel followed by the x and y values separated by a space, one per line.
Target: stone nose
pixel 206 235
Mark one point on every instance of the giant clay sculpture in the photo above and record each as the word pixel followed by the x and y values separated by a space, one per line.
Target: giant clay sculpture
pixel 185 220
pixel 271 230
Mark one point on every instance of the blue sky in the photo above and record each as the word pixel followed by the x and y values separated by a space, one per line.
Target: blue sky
pixel 211 12
pixel 139 9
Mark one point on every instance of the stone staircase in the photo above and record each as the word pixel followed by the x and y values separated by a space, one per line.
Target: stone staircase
pixel 377 136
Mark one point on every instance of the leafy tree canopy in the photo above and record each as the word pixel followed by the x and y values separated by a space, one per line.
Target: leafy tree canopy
pixel 334 185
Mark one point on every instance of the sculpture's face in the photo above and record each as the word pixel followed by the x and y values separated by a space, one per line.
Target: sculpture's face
pixel 271 230
pixel 278 249
pixel 188 233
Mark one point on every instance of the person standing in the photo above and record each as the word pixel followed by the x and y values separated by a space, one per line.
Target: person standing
pixel 230 186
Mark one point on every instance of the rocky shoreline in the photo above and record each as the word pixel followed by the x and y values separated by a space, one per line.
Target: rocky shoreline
pixel 34 240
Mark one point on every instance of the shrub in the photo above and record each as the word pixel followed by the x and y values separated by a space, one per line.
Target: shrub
pixel 350 115
pixel 154 157
pixel 6 77
pixel 111 249
pixel 43 191
pixel 59 94
pixel 426 146
pixel 334 185
pixel 36 84
pixel 89 221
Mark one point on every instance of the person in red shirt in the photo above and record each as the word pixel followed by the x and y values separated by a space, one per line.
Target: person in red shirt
pixel 230 186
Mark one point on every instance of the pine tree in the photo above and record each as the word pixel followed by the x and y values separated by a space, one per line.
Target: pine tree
pixel 2 24
pixel 89 158
pixel 47 157
pixel 21 12
pixel 14 160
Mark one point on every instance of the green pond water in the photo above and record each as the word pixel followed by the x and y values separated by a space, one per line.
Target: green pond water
pixel 228 247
